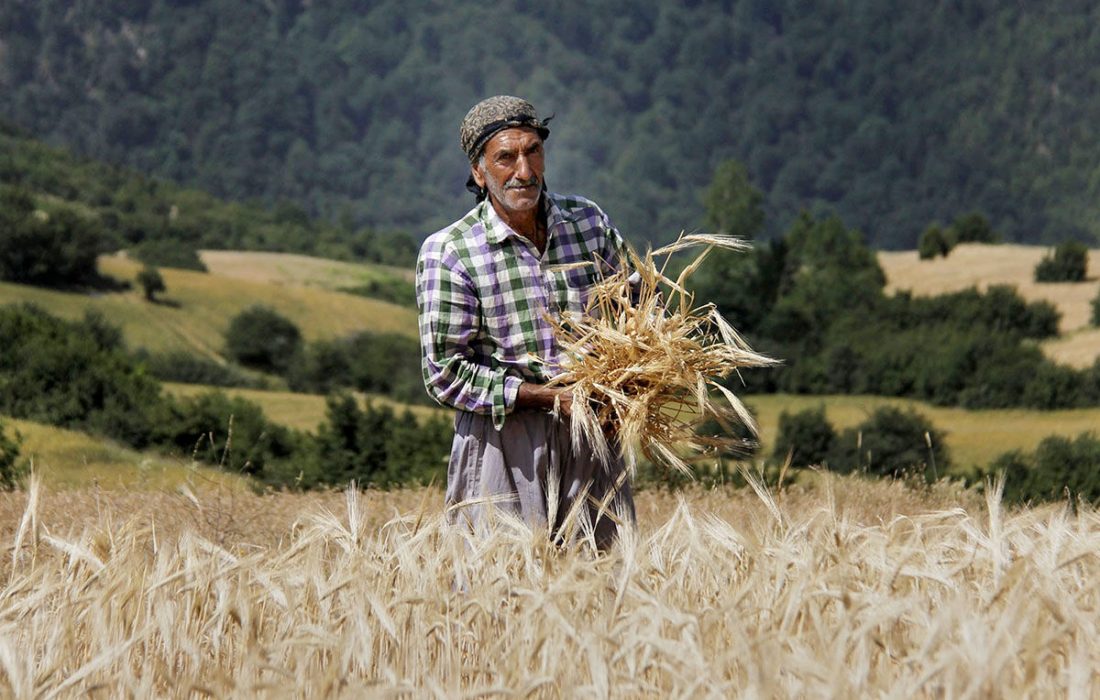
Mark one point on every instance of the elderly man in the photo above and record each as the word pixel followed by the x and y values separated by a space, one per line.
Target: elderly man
pixel 486 286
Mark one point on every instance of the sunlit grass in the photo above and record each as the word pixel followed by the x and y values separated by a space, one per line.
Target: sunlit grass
pixel 71 459
pixel 198 308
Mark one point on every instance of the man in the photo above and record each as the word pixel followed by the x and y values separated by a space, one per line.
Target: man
pixel 485 287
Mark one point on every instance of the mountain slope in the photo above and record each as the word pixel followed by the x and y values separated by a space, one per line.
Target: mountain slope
pixel 892 114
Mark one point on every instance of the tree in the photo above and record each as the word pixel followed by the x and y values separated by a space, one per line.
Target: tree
pixel 54 249
pixel 1096 309
pixel 1068 263
pixel 933 242
pixel 733 205
pixel 151 282
pixel 262 338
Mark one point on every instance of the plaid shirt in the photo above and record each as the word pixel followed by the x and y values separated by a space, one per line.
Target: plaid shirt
pixel 484 293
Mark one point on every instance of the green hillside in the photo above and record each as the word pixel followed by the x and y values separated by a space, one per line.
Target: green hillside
pixel 891 114
pixel 199 307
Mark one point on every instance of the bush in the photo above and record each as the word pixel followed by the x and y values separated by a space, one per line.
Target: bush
pixel 933 242
pixel 12 468
pixel 374 446
pixel 971 228
pixel 261 338
pixel 1096 309
pixel 1059 467
pixel 1069 263
pixel 232 433
pixel 892 442
pixel 806 436
pixel 75 375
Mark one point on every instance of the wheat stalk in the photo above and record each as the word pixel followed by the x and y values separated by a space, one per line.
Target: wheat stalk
pixel 643 362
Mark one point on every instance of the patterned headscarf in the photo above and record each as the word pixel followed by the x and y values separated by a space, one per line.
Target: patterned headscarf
pixel 495 114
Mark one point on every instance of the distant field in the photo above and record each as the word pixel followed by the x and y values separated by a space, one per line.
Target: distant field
pixel 304 270
pixel 199 307
pixel 978 265
pixel 974 437
pixel 301 411
pixel 71 459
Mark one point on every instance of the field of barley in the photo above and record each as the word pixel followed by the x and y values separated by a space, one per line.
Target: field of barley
pixel 834 587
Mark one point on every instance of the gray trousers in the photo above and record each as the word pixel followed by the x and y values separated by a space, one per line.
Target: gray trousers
pixel 520 467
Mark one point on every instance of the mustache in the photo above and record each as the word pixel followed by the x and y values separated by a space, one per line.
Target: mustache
pixel 519 182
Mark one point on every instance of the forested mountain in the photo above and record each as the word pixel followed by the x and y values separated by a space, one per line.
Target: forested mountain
pixel 890 114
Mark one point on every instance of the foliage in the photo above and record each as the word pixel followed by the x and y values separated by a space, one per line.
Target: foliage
pixel 151 281
pixel 391 289
pixel 12 468
pixel 892 442
pixel 375 446
pixel 1058 468
pixel 815 299
pixel 1096 309
pixel 168 252
pixel 971 228
pixel 733 205
pixel 161 223
pixel 1069 263
pixel 806 438
pixel 75 375
pixel 933 242
pixel 232 433
pixel 890 114
pixel 191 368
pixel 376 363
pixel 264 339
pixel 55 248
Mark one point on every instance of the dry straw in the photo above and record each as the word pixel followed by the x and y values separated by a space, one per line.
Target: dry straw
pixel 643 359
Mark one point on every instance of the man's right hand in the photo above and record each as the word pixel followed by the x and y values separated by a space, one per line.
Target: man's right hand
pixel 542 398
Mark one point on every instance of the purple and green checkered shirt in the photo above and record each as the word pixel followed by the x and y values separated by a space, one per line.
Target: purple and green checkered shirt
pixel 484 293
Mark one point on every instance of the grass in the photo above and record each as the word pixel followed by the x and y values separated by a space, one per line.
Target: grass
pixel 839 588
pixel 301 411
pixel 69 459
pixel 199 307
pixel 973 264
pixel 300 270
pixel 973 437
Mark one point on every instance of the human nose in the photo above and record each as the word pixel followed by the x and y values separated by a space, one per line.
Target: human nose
pixel 523 168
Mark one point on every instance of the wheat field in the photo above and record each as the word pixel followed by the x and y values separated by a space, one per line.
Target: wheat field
pixel 835 588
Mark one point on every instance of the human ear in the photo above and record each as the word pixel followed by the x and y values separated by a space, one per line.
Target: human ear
pixel 475 172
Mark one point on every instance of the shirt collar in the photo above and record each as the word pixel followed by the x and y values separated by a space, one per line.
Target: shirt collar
pixel 496 230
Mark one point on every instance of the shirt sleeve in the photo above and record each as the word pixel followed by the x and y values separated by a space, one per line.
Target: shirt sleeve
pixel 449 318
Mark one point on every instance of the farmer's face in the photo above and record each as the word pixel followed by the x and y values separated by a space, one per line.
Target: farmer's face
pixel 511 169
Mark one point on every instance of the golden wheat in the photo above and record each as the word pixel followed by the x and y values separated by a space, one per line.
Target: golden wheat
pixel 642 360
pixel 844 589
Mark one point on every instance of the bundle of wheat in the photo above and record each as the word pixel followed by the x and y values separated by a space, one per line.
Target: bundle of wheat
pixel 642 359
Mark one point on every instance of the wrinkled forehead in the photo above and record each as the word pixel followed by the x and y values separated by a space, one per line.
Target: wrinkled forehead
pixel 516 138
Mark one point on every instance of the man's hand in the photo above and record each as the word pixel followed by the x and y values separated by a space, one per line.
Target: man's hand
pixel 541 397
